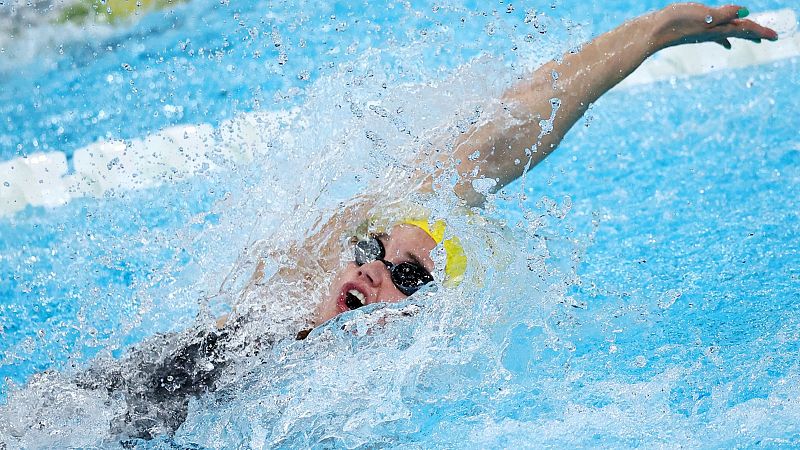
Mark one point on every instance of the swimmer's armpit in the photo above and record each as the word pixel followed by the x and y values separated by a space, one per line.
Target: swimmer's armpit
pixel 539 109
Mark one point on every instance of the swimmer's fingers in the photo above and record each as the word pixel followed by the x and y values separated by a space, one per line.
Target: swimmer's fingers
pixel 726 14
pixel 746 29
pixel 688 23
pixel 730 21
pixel 725 43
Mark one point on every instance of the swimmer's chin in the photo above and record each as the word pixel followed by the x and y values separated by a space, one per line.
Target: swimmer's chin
pixel 341 319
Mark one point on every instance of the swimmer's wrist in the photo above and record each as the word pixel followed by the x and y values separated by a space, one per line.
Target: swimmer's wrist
pixel 662 33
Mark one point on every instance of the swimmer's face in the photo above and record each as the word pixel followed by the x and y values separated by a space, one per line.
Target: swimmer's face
pixel 372 281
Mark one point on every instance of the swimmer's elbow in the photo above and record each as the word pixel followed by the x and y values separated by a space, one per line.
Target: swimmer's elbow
pixel 465 190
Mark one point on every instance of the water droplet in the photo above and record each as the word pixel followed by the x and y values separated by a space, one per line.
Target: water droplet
pixel 709 19
pixel 112 163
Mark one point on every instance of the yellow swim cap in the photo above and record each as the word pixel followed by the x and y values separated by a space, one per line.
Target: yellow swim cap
pixel 456 262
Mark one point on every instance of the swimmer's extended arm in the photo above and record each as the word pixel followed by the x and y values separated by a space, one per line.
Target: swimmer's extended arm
pixel 505 142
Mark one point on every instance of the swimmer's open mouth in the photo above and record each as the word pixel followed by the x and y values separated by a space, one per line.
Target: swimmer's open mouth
pixel 354 299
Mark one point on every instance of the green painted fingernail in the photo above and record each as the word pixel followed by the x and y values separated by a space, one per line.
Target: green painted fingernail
pixel 743 12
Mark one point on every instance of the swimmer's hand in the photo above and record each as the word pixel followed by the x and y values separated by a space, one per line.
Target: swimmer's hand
pixel 689 23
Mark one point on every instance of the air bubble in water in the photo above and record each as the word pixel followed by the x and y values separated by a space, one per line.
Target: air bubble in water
pixel 709 19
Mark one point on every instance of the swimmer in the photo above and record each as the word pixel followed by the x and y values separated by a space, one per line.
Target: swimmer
pixel 392 265
pixel 158 377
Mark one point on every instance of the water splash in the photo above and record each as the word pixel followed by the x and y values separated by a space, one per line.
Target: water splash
pixel 545 341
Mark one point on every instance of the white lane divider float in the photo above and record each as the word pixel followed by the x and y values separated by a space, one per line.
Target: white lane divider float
pixel 180 152
pixel 174 153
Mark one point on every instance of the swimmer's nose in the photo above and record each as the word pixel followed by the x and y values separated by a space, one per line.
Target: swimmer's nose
pixel 374 272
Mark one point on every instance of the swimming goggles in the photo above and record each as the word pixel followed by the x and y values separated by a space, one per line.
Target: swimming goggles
pixel 408 277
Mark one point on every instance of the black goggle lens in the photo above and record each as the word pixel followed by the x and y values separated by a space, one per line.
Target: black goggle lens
pixel 407 277
pixel 368 250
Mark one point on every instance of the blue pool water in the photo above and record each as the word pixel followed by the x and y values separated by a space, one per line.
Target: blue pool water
pixel 647 293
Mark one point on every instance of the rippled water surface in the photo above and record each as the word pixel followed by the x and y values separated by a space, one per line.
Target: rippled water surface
pixel 643 293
